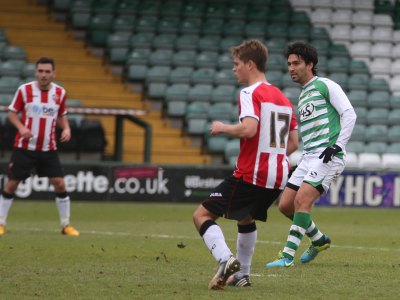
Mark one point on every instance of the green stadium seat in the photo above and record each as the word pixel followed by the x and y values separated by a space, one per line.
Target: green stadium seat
pixel 206 59
pixel 197 110
pixel 394 116
pixel 196 126
pixel 156 90
pixel 299 17
pixel 277 30
pixel 118 56
pixel 171 8
pixel 358 67
pixel 124 23
pixel 80 20
pixel 394 134
pixel 6 99
pixel 236 12
pixel 216 144
pixel 177 92
pixel 355 146
pixel 119 39
pixel 223 93
pixel 393 148
pixel 228 42
pixel 104 6
pixel 193 9
pixel 127 7
pixel 216 10
pixel 361 113
pixel 12 68
pixel 358 81
pixel 14 52
pixel 276 46
pixel 138 57
pixel 81 6
pixel 136 72
pixel 358 98
pixel 164 41
pixel 319 33
pixel 255 29
pixel 258 12
pixel 225 61
pixel 376 133
pixel 221 111
pixel 9 84
pixel 378 84
pixel 191 26
pixel 340 78
pixel 73 102
pixel 158 74
pixel 292 93
pixel 234 28
pixel 147 24
pixel 212 27
pixel 299 32
pixel 61 5
pixel 161 57
pixel 231 151
pixel 394 101
pixel 338 64
pixel 142 40
pixel 149 8
pixel 322 46
pixel 338 50
pixel 187 42
pixel 225 76
pixel 168 25
pixel 378 116
pixel 180 75
pixel 378 99
pixel 275 77
pixel 203 75
pixel 375 147
pixel 200 92
pixel 358 133
pixel 276 62
pixel 176 108
pixel 209 43
pixel 184 58
pixel 286 80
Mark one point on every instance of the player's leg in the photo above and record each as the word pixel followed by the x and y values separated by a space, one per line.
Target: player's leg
pixel 19 168
pixel 49 166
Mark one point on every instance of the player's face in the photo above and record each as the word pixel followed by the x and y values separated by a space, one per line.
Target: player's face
pixel 241 70
pixel 44 74
pixel 299 70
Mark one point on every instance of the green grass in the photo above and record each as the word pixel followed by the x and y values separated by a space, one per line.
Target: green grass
pixel 130 251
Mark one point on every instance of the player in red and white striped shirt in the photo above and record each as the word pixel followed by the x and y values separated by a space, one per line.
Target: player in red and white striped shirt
pixel 267 130
pixel 41 104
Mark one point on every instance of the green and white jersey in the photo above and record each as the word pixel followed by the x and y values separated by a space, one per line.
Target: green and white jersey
pixel 320 106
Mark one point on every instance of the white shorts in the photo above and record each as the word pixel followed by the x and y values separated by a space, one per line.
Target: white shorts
pixel 311 169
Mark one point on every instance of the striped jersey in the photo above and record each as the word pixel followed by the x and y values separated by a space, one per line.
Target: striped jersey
pixel 321 103
pixel 262 159
pixel 39 112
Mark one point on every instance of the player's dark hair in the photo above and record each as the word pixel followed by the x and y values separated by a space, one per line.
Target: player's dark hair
pixel 252 50
pixel 304 50
pixel 46 60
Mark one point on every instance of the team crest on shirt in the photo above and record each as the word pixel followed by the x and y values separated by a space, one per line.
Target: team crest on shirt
pixel 307 111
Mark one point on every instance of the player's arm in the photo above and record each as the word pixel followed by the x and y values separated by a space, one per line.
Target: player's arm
pixel 244 130
pixel 66 130
pixel 293 142
pixel 22 129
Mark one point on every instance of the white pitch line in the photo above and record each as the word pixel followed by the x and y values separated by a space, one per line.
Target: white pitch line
pixel 167 236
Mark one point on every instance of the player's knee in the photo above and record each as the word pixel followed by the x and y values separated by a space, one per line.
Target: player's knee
pixel 58 183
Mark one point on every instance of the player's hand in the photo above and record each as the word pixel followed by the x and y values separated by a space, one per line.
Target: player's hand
pixel 25 133
pixel 216 127
pixel 65 135
pixel 329 152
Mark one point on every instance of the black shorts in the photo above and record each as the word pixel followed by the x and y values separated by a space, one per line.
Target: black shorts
pixel 235 199
pixel 46 163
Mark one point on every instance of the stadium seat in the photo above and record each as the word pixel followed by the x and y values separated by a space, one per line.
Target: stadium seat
pixel 212 26
pixel 381 49
pixel 184 58
pixel 149 8
pixel 275 77
pixel 119 39
pixel 394 133
pixel 228 42
pixel 382 34
pixel 180 75
pixel 197 110
pixel 14 52
pixel 338 64
pixel 361 113
pixel 355 146
pixel 393 148
pixel 190 26
pixel 221 111
pixel 158 74
pixel 234 28
pixel 231 151
pixel 375 147
pixel 360 49
pixel 161 57
pixel 187 42
pixel 164 41
pixel 341 33
pixel 224 61
pixel 358 134
pixel 142 40
pixel 225 76
pixel 358 67
pixel 203 76
pixel 156 90
pixel 177 91
pixel 176 108
pixel 391 161
pixel 147 24
pixel 380 66
pixel 342 16
pixel 209 43
pixel 206 59
pixel 277 30
pixel 351 160
pixel 223 93
pixel 11 68
pixel 200 92
pixel 338 50
pixel 321 16
pixel 136 72
pixel 171 8
pixel 168 25
pixel 123 23
pixel 376 133
pixel 127 8
pixel 395 84
pixel 9 84
pixel 340 78
pixel 378 99
pixel 193 9
pixel 292 93
pixel 118 55
pixel 377 84
pixel 394 101
pixel 358 82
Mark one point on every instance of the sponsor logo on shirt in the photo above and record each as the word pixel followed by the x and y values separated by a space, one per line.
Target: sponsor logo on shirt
pixel 306 111
pixel 44 111
pixel 215 195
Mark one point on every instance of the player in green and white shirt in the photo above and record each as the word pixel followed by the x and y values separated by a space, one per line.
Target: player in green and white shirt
pixel 327 119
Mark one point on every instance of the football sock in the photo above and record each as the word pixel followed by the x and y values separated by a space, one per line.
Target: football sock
pixel 6 201
pixel 63 206
pixel 301 221
pixel 246 241
pixel 312 232
pixel 316 236
pixel 215 241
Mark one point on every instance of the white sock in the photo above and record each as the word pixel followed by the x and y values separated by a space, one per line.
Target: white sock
pixel 5 205
pixel 245 244
pixel 215 241
pixel 63 206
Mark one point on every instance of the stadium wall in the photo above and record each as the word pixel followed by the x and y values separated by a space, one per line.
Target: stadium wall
pixel 154 183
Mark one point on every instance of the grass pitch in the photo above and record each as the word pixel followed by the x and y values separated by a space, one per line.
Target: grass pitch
pixel 152 251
